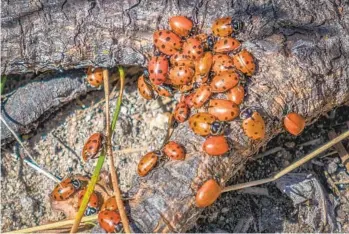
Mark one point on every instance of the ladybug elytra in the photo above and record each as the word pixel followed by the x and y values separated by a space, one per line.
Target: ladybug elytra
pixel 224 81
pixel 167 42
pixel 175 151
pixel 145 89
pixel 92 146
pixel 158 68
pixel 236 94
pixel 95 76
pixel 93 203
pixel 181 112
pixel 225 45
pixel 110 221
pixel 216 145
pixel 223 110
pixel 148 162
pixel 294 123
pixel 65 189
pixel 208 193
pixel 254 126
pixel 225 27
pixel 181 25
pixel 244 62
pixel 201 96
pixel 205 124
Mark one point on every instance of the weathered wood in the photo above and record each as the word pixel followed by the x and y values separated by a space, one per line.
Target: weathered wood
pixel 301 48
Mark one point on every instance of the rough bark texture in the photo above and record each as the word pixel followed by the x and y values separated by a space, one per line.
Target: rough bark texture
pixel 301 48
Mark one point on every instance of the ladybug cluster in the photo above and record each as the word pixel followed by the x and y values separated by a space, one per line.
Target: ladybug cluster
pixel 202 67
pixel 108 216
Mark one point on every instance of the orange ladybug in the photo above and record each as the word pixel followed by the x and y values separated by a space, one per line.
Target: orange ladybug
pixel 189 100
pixel 145 89
pixel 204 64
pixel 95 76
pixel 216 145
pixel 204 124
pixel 221 63
pixel 181 75
pixel 158 68
pixel 208 193
pixel 167 42
pixel 181 112
pixel 244 62
pixel 110 204
pixel 193 48
pixel 65 189
pixel 223 110
pixel 201 96
pixel 236 94
pixel 180 59
pixel 226 44
pixel 148 162
pixel 225 27
pixel 175 151
pixel 181 25
pixel 224 81
pixel 163 90
pixel 92 146
pixel 93 204
pixel 294 123
pixel 254 126
pixel 110 221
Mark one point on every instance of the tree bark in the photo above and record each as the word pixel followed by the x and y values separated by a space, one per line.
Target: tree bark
pixel 301 49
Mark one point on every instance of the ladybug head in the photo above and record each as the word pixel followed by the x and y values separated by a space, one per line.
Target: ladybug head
pixel 237 25
pixel 210 42
pixel 76 183
pixel 246 113
pixel 218 127
pixel 118 227
pixel 158 153
pixel 146 73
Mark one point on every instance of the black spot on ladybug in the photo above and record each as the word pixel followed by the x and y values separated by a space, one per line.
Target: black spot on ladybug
pixel 225 42
pixel 160 33
pixel 163 46
pixel 168 38
pixel 256 133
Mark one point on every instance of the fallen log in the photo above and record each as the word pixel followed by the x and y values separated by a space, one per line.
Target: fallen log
pixel 301 47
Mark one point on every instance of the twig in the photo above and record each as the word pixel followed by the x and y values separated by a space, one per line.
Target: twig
pixel 109 128
pixel 130 150
pixel 29 159
pixel 291 167
pixel 51 226
pixel 268 152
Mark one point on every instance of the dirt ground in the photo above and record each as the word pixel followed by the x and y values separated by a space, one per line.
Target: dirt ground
pixel 57 145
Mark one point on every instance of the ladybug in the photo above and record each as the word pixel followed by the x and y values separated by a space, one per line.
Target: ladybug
pixel 207 194
pixel 253 125
pixel 225 27
pixel 110 204
pixel 204 124
pixel 221 63
pixel 202 94
pixel 175 151
pixel 110 221
pixel 216 145
pixel 181 75
pixel 92 146
pixel 236 94
pixel 95 76
pixel 93 204
pixel 204 64
pixel 224 81
pixel 181 25
pixel 158 68
pixel 65 189
pixel 163 90
pixel 244 62
pixel 223 110
pixel 148 162
pixel 193 48
pixel 167 42
pixel 225 45
pixel 294 123
pixel 145 89
pixel 180 59
pixel 181 112
pixel 189 100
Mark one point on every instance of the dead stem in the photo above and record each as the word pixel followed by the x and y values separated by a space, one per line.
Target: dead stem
pixel 109 150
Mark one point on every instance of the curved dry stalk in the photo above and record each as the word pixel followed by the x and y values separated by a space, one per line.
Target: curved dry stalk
pixel 117 193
